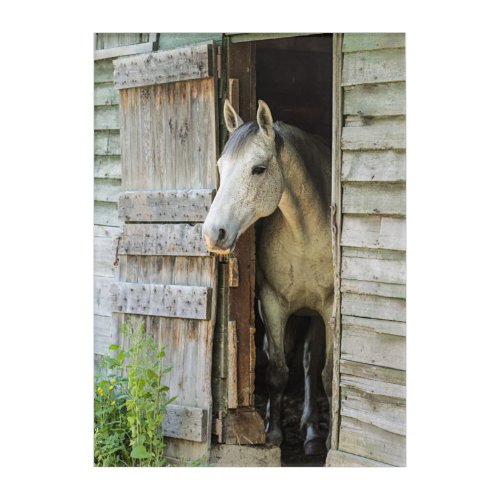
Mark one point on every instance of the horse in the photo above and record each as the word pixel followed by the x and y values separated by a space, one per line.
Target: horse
pixel 281 175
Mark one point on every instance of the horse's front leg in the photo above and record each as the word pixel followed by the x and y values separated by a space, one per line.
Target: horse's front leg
pixel 313 361
pixel 275 315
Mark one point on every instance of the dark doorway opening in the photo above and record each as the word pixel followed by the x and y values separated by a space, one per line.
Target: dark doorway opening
pixel 294 76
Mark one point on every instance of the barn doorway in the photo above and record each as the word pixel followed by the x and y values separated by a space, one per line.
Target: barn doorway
pixel 294 76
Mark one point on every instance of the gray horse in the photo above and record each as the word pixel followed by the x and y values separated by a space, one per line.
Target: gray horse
pixel 280 173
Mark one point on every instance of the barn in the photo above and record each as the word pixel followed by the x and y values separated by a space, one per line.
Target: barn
pixel 158 131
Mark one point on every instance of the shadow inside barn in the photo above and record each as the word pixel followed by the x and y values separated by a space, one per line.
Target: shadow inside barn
pixel 292 448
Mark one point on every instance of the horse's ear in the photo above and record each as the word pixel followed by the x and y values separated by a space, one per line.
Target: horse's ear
pixel 232 119
pixel 265 120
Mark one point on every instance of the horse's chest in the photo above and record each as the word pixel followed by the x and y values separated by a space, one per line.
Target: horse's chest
pixel 302 274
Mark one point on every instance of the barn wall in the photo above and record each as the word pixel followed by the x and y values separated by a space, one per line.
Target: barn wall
pixel 107 182
pixel 373 259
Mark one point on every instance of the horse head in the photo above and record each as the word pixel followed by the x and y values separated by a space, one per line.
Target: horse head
pixel 251 180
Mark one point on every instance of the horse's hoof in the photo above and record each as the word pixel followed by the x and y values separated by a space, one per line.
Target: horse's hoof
pixel 274 437
pixel 315 446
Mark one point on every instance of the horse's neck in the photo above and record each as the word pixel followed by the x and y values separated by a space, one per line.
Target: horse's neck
pixel 301 204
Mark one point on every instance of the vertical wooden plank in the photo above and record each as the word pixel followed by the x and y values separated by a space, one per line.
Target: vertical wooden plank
pixel 232 366
pixel 337 114
pixel 241 68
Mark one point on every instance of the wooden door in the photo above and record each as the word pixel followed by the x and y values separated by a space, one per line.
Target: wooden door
pixel 166 275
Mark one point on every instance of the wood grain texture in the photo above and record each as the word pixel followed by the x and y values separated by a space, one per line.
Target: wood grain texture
pixel 338 458
pixel 185 422
pixel 374 166
pixel 373 372
pixel 186 205
pixel 244 427
pixel 107 142
pixel 105 93
pixel 377 66
pixel 104 335
pixel 232 365
pixel 106 214
pixel 107 167
pixel 354 42
pixel 373 288
pixel 371 306
pixel 374 133
pixel 163 239
pixel 376 387
pixel 364 346
pixel 107 190
pixel 169 301
pixel 385 99
pixel 371 325
pixel 106 117
pixel 187 63
pixel 169 136
pixel 372 442
pixel 385 413
pixel 103 71
pixel 104 256
pixel 374 269
pixel 374 198
pixel 102 296
pixel 374 231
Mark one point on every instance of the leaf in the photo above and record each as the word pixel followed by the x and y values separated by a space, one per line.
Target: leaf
pixel 114 347
pixel 161 355
pixel 139 452
pixel 152 374
pixel 171 400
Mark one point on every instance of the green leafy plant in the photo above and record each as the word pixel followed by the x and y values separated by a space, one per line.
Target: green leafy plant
pixel 130 402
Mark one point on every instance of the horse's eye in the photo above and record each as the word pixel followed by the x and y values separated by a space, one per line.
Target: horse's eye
pixel 258 170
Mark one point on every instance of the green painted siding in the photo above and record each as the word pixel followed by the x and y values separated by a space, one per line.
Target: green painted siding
pixel 173 40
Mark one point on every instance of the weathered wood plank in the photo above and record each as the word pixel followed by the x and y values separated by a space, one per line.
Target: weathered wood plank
pixel 234 273
pixel 374 166
pixel 374 269
pixel 385 99
pixel 168 41
pixel 185 422
pixel 107 167
pixel 187 205
pixel 371 348
pixel 106 232
pixel 336 458
pixel 373 288
pixel 372 442
pixel 104 334
pixel 107 142
pixel 375 66
pixel 163 239
pixel 104 256
pixel 111 40
pixel 375 325
pixel 373 253
pixel 373 372
pixel 107 189
pixel 106 214
pixel 102 302
pixel 375 133
pixel 374 231
pixel 107 117
pixel 374 198
pixel 377 387
pixel 188 63
pixel 103 71
pixel 244 427
pixel 232 365
pixel 169 301
pixel 371 306
pixel 354 42
pixel 383 412
pixel 105 93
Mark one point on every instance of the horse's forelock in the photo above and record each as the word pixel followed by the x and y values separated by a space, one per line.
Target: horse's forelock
pixel 242 134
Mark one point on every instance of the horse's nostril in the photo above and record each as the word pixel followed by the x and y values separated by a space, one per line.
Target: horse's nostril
pixel 222 234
